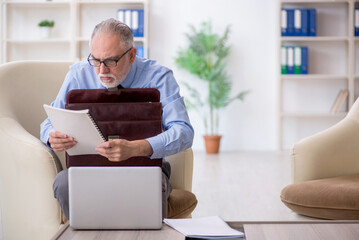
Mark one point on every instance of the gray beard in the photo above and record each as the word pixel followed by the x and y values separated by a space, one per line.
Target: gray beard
pixel 115 83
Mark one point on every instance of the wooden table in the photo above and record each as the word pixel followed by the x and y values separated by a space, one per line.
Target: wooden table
pixel 326 230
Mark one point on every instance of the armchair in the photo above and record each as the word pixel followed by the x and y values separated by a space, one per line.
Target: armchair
pixel 325 172
pixel 28 167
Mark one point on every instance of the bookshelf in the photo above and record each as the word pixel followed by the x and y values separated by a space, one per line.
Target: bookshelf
pixel 74 22
pixel 305 100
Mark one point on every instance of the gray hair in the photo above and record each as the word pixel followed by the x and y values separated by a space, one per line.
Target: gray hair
pixel 116 27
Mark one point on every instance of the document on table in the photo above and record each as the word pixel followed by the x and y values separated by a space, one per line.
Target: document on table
pixel 212 227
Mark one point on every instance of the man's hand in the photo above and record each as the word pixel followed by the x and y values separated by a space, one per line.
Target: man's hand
pixel 120 149
pixel 61 142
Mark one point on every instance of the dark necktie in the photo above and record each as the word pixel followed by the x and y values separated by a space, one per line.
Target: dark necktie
pixel 115 88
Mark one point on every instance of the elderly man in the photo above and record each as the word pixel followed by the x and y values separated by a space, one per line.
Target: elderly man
pixel 112 62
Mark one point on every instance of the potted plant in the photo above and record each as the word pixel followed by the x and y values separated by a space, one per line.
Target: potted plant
pixel 45 28
pixel 205 58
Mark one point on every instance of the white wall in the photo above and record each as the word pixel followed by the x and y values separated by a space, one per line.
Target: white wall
pixel 251 125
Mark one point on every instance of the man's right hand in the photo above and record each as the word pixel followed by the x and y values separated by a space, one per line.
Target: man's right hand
pixel 60 142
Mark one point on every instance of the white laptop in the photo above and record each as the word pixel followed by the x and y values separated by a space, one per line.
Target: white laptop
pixel 115 197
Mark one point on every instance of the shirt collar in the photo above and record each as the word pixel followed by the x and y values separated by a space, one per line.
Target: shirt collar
pixel 127 82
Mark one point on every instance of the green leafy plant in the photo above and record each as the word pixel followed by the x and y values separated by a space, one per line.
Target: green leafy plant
pixel 205 57
pixel 46 23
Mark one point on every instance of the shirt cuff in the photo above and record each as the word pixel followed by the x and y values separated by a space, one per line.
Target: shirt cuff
pixel 45 138
pixel 157 147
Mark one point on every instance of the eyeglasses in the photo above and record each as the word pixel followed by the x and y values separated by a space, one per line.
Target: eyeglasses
pixel 110 63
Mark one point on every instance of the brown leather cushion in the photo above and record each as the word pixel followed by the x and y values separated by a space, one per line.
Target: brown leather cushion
pixel 181 203
pixel 329 198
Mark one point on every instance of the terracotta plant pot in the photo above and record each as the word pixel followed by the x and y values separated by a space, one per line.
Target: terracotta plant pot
pixel 212 143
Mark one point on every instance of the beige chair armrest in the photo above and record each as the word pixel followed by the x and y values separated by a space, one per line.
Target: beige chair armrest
pixel 182 169
pixel 27 171
pixel 331 153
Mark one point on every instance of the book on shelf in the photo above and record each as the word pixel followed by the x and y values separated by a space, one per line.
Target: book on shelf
pixel 78 124
pixel 339 101
pixel 298 22
pixel 356 22
pixel 134 18
pixel 294 60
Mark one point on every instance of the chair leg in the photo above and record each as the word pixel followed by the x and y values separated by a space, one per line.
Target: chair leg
pixel 63 218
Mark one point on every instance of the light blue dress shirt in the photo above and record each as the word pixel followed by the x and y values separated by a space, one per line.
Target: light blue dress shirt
pixel 177 132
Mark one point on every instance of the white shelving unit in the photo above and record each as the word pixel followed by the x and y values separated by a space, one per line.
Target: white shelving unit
pixel 74 22
pixel 305 100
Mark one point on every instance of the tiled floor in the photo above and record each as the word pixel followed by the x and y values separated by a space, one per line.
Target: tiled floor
pixel 242 185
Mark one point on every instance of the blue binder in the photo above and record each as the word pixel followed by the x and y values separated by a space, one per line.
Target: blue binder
pixel 304 69
pixel 137 22
pixel 141 22
pixel 128 17
pixel 121 15
pixel 290 60
pixel 284 26
pixel 283 59
pixel 305 22
pixel 290 22
pixel 297 22
pixel 134 22
pixel 134 18
pixel 140 51
pixel 297 60
pixel 356 22
pixel 312 22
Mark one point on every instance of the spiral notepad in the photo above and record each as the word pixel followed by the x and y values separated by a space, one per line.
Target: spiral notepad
pixel 80 125
pixel 94 122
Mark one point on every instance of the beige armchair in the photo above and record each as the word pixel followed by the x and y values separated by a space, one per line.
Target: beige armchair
pixel 28 167
pixel 325 171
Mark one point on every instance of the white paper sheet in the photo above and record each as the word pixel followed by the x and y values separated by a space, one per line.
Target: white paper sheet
pixel 77 124
pixel 212 227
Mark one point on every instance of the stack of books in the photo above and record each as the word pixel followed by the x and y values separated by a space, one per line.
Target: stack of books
pixel 294 60
pixel 134 18
pixel 299 22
